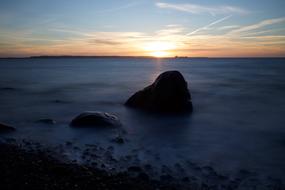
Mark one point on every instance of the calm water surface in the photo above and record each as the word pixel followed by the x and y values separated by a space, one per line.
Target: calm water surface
pixel 238 120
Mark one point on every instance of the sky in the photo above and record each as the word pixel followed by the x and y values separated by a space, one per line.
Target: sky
pixel 160 28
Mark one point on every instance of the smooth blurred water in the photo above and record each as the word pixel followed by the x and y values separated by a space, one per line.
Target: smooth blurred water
pixel 238 119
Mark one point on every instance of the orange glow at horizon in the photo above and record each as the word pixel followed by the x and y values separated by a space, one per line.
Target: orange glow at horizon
pixel 159 49
pixel 157 46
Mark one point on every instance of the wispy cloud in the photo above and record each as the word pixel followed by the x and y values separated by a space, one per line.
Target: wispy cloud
pixel 229 27
pixel 170 30
pixel 201 9
pixel 266 32
pixel 258 25
pixel 209 25
pixel 64 30
pixel 105 42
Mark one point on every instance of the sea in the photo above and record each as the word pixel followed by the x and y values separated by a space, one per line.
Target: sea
pixel 237 125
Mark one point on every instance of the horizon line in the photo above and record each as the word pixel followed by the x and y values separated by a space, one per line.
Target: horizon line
pixel 152 57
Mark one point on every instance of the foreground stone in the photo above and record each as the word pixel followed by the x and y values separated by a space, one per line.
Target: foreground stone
pixel 169 93
pixel 6 128
pixel 95 119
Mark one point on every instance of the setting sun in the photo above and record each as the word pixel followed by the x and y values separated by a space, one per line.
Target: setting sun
pixel 159 49
pixel 159 54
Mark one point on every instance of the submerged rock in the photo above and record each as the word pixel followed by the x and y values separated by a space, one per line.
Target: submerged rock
pixel 119 140
pixel 7 88
pixel 95 119
pixel 60 101
pixel 6 128
pixel 47 121
pixel 169 93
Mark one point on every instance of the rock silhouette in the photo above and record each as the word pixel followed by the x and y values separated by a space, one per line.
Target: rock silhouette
pixel 6 128
pixel 169 93
pixel 95 119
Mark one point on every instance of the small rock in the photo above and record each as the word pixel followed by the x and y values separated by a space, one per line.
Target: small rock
pixel 134 169
pixel 143 176
pixel 60 101
pixel 47 121
pixel 148 167
pixel 185 179
pixel 166 177
pixel 68 143
pixel 119 140
pixel 6 128
pixel 8 88
pixel 95 119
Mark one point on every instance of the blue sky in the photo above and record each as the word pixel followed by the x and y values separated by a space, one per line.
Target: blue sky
pixel 142 27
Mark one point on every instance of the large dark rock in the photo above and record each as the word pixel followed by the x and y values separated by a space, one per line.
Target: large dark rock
pixel 6 128
pixel 95 119
pixel 169 93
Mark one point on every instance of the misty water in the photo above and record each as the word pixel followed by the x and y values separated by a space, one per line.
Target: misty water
pixel 238 120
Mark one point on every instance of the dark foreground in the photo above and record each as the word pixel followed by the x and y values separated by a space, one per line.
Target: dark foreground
pixel 22 169
pixel 28 168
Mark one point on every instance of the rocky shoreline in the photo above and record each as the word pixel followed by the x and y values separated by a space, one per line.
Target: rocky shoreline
pixel 38 169
pixel 30 165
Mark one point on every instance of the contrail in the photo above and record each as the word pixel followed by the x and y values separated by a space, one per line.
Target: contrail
pixel 209 25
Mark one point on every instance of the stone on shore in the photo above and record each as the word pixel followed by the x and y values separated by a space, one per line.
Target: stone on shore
pixel 95 119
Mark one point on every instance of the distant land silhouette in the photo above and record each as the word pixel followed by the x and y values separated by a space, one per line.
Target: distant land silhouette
pixel 112 56
pixel 139 57
pixel 99 56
